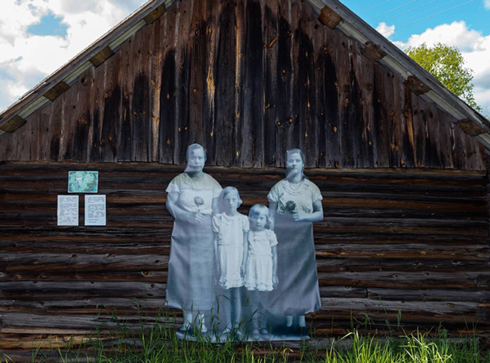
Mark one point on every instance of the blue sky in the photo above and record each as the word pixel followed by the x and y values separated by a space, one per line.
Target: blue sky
pixel 402 13
pixel 464 24
pixel 49 24
pixel 39 36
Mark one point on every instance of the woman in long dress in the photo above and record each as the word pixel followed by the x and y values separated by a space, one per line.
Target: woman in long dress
pixel 192 201
pixel 296 202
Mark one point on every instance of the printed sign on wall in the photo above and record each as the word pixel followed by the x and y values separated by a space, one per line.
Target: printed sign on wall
pixel 67 210
pixel 95 210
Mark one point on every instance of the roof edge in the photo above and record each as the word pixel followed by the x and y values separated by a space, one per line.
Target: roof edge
pixel 90 56
pixel 353 26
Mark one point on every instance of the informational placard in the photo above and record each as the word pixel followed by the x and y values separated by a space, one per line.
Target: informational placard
pixel 67 210
pixel 95 210
pixel 83 181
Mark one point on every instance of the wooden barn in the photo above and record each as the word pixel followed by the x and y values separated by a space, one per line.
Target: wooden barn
pixel 401 163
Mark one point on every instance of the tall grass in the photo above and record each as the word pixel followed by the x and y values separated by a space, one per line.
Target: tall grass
pixel 152 342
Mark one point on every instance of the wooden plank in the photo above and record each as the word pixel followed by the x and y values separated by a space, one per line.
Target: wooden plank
pixel 331 101
pixel 357 103
pixel 25 139
pixel 28 262
pixel 156 61
pixel 239 77
pixel 21 143
pixel 196 62
pixel 399 279
pixel 270 33
pixel 307 88
pixel 125 122
pixel 365 75
pixel 168 96
pixel 221 88
pixel 381 113
pixel 284 90
pixel 433 131
pixel 431 307
pixel 408 154
pixel 83 116
pixel 112 106
pixel 394 118
pixel 55 130
pixel 343 80
pixel 182 34
pixel 71 120
pixel 212 19
pixel 44 132
pixel 339 264
pixel 429 295
pixel 143 275
pixel 140 115
pixel 444 134
pixel 404 251
pixel 98 112
pixel 251 123
pixel 475 153
pixel 293 136
pixel 319 46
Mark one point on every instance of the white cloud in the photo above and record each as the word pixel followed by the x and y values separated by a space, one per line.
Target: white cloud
pixel 386 30
pixel 487 4
pixel 475 48
pixel 27 59
pixel 455 34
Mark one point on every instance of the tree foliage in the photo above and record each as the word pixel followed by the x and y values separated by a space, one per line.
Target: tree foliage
pixel 446 63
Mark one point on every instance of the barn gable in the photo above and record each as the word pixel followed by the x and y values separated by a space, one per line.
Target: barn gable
pixel 278 76
pixel 400 161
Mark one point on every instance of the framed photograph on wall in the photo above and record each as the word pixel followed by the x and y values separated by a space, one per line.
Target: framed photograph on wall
pixel 83 181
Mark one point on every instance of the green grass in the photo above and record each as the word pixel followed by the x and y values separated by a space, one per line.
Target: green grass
pixel 150 342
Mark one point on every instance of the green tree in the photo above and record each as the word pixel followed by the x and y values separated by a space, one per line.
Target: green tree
pixel 446 64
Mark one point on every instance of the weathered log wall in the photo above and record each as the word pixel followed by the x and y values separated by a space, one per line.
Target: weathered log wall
pixel 414 242
pixel 406 214
pixel 248 80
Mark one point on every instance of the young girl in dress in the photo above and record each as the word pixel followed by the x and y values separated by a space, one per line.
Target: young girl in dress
pixel 261 265
pixel 231 230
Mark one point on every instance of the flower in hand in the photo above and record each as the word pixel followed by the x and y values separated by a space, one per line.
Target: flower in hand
pixel 199 202
pixel 290 207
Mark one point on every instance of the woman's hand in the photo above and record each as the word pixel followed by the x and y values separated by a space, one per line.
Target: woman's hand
pixel 198 217
pixel 300 216
pixel 275 281
pixel 194 218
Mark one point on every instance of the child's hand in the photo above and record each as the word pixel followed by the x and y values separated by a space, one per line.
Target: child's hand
pixel 275 281
pixel 217 274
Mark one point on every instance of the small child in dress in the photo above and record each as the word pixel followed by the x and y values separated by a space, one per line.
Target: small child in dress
pixel 261 264
pixel 231 230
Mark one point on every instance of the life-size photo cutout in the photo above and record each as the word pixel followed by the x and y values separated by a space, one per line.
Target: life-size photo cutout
pixel 295 203
pixel 243 277
pixel 192 201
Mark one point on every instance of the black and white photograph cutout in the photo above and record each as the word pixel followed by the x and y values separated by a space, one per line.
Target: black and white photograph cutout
pixel 242 277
